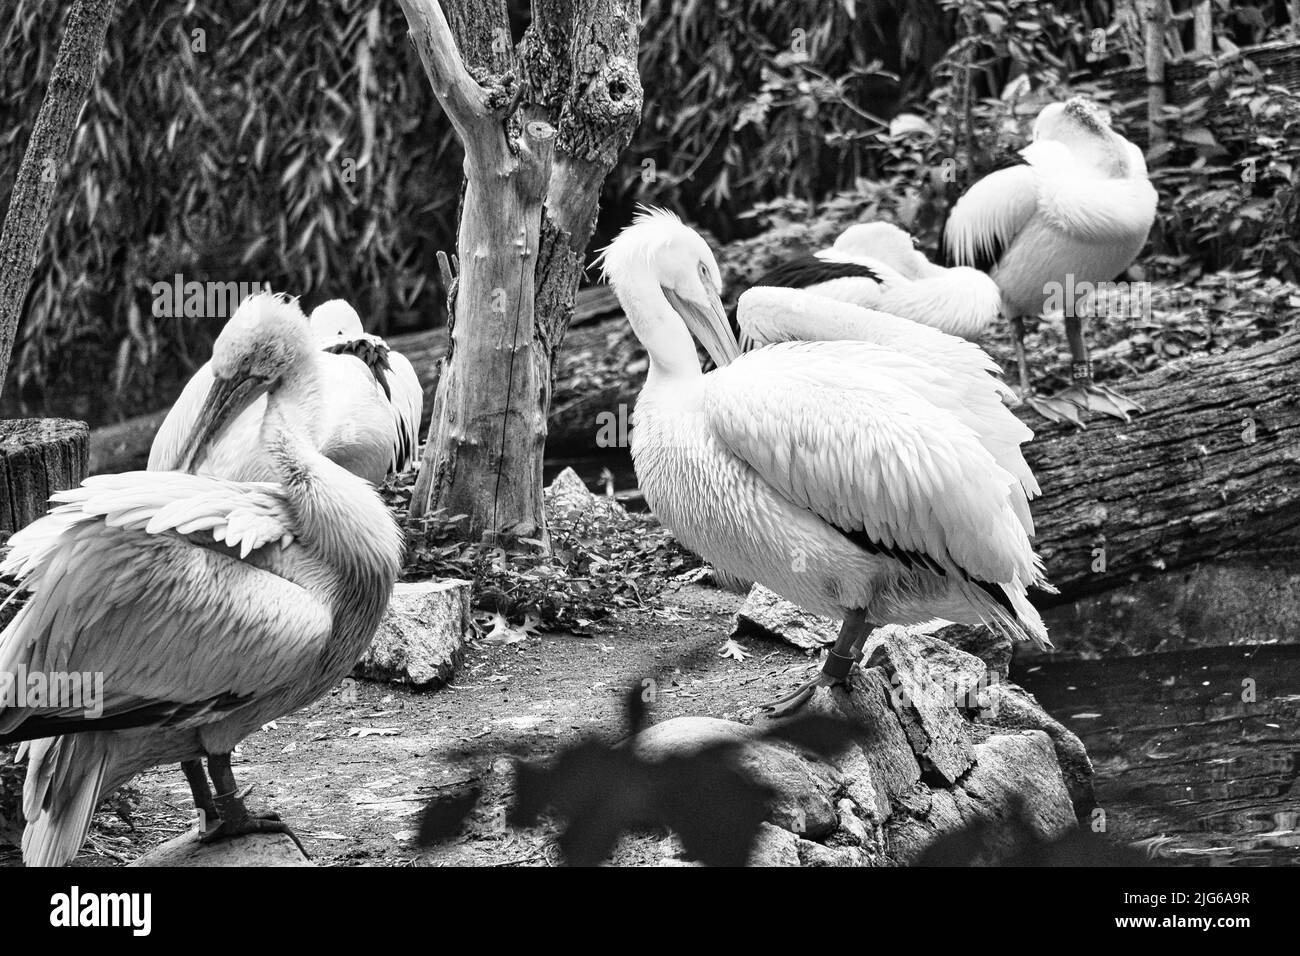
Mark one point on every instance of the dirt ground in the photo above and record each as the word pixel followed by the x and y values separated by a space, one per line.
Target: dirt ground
pixel 352 772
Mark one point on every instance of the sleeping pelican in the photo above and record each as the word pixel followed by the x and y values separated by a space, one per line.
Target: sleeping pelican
pixel 209 606
pixel 366 424
pixel 1075 213
pixel 827 471
pixel 876 265
pixel 338 329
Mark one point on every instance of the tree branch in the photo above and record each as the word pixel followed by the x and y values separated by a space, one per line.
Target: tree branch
pixel 466 102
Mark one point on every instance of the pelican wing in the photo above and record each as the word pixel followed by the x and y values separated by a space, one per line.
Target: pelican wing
pixel 156 580
pixel 987 219
pixel 956 374
pixel 407 402
pixel 846 431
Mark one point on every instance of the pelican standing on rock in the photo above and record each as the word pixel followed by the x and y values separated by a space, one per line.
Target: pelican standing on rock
pixel 1075 213
pixel 877 266
pixel 369 413
pixel 822 470
pixel 211 607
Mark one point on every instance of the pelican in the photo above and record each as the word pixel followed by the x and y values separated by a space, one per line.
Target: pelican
pixel 826 471
pixel 338 329
pixel 1075 213
pixel 210 606
pixel 876 265
pixel 369 414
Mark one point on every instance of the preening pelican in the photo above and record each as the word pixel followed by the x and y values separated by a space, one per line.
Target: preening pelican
pixel 828 471
pixel 209 606
pixel 1076 213
pixel 877 266
pixel 957 375
pixel 338 329
pixel 360 426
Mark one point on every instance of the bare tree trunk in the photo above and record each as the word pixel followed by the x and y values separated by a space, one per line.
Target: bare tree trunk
pixel 37 180
pixel 533 181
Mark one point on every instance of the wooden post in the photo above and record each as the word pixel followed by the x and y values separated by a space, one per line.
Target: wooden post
pixel 37 180
pixel 38 456
pixel 1204 28
pixel 1154 17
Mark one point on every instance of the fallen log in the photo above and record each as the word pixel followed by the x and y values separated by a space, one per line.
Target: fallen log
pixel 1209 470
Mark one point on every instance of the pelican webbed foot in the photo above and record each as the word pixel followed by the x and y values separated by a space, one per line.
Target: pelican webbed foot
pixel 234 817
pixel 834 671
pixel 1101 398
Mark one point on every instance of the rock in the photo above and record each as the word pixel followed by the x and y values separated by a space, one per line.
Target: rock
pixel 774 847
pixel 261 849
pixel 805 788
pixel 990 646
pixel 568 497
pixel 1012 707
pixel 768 614
pixel 930 684
pixel 815 854
pixel 1014 777
pixel 880 765
pixel 421 639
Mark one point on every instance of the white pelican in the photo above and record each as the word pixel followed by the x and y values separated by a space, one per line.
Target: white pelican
pixel 826 471
pixel 209 606
pixel 369 414
pixel 1075 213
pixel 876 265
pixel 338 329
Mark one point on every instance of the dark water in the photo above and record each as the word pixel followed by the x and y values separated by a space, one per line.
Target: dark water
pixel 1197 751
pixel 1196 748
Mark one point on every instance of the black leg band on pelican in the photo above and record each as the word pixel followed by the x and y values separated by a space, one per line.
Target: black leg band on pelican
pixel 837 666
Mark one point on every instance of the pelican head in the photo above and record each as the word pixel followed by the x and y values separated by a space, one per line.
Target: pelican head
pixel 879 240
pixel 335 319
pixel 658 252
pixel 1083 128
pixel 266 339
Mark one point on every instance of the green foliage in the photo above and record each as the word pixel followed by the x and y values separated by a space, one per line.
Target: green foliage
pixel 291 141
pixel 1227 178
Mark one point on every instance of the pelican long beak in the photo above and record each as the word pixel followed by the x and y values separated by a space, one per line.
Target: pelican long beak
pixel 227 398
pixel 709 324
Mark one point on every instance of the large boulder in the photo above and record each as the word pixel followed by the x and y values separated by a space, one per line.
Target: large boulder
pixel 941 742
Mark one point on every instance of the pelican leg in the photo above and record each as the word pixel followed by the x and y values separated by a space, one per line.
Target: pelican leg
pixel 1022 362
pixel 1084 392
pixel 845 653
pixel 235 818
pixel 202 793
